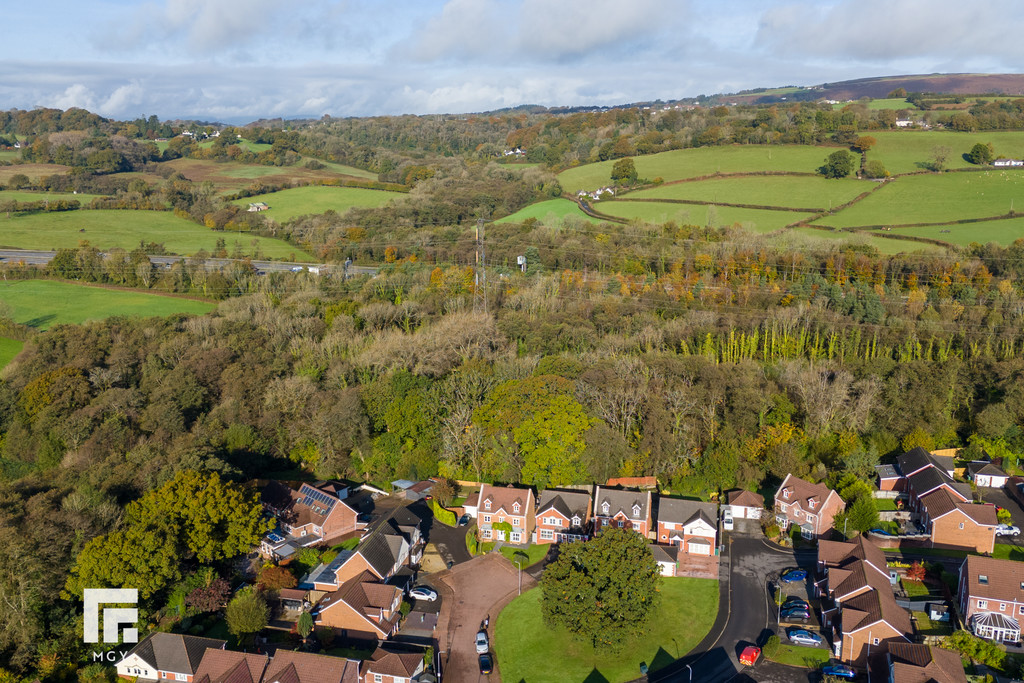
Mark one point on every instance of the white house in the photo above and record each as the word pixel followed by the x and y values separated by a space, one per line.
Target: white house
pixel 1008 162
pixel 744 504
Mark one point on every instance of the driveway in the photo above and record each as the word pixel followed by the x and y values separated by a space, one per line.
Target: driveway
pixel 473 592
pixel 450 542
pixel 1002 499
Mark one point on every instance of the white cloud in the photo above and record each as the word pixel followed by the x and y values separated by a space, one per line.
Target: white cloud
pixel 76 95
pixel 574 28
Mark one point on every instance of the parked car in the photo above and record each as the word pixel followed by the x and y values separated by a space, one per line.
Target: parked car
pixel 1007 530
pixel 482 646
pixel 794 601
pixel 749 655
pixel 727 519
pixel 423 593
pixel 464 520
pixel 793 575
pixel 802 637
pixel 486 665
pixel 882 532
pixel 795 613
pixel 839 671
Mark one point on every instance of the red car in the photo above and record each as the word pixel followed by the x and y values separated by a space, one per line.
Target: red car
pixel 749 655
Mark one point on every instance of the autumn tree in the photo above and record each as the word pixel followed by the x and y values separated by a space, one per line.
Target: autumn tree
pixel 275 578
pixel 624 172
pixel 940 153
pixel 863 143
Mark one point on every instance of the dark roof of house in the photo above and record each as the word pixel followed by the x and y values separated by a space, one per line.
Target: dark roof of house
pixel 378 552
pixel 928 479
pixel 678 511
pixel 872 607
pixel 174 652
pixel 856 577
pixel 228 666
pixel 985 467
pixel 744 498
pixel 942 502
pixel 1004 578
pixel 566 503
pixel 887 472
pixel 288 666
pixel 664 553
pixel 622 500
pixel 844 553
pixel 307 505
pixel 398 664
pixel 914 663
pixel 917 457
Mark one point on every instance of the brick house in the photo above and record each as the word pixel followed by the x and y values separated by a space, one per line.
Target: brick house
pixel 315 514
pixel 167 657
pixel 991 597
pixel 228 666
pixel 745 504
pixel 812 507
pixel 690 525
pixel 913 663
pixel 363 608
pixel 563 516
pixel 505 513
pixel 392 667
pixel 288 666
pixel 956 523
pixel 624 509
pixel 381 554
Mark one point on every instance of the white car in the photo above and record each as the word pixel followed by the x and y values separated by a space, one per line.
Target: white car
pixel 482 646
pixel 1007 530
pixel 727 519
pixel 423 593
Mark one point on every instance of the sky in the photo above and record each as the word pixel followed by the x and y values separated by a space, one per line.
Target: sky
pixel 240 60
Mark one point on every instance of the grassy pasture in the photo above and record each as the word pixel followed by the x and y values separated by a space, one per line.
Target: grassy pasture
pixel 44 303
pixel 1002 232
pixel 880 103
pixel 549 212
pixel 884 245
pixel 318 199
pixel 10 154
pixel 125 229
pixel 347 170
pixel 691 163
pixel 786 191
pixel 9 348
pixel 33 171
pixel 910 151
pixel 230 176
pixel 27 196
pixel 755 220
pixel 935 198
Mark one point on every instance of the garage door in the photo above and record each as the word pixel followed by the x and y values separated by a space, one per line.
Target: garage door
pixel 738 511
pixel 698 547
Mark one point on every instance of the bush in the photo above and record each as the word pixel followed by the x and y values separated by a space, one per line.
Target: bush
pixel 975 649
pixel 442 515
pixel 471 542
pixel 771 648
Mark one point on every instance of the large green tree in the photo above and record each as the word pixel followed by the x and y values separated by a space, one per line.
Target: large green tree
pixel 247 613
pixel 838 164
pixel 624 172
pixel 981 153
pixel 604 590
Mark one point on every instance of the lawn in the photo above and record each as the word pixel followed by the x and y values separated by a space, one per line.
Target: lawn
pixel 9 348
pixel 935 198
pixel 1003 232
pixel 528 652
pixel 349 170
pixel 799 655
pixel 911 150
pixel 125 229
pixel 301 201
pixel 754 220
pixel 700 161
pixel 927 627
pixel 915 589
pixel 885 504
pixel 549 212
pixel 881 103
pixel 535 553
pixel 44 303
pixel 785 191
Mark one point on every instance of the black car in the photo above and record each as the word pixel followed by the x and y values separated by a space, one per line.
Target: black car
pixel 464 520
pixel 486 664
pixel 794 601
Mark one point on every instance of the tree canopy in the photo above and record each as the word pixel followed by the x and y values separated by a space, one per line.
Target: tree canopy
pixel 838 164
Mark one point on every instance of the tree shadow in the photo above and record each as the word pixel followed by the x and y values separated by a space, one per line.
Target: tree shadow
pixel 661 659
pixel 41 320
pixel 596 677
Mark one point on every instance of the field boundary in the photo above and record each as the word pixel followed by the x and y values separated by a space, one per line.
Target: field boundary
pixel 701 202
pixel 899 226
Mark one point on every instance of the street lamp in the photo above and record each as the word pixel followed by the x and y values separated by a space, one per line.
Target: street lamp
pixel 519 566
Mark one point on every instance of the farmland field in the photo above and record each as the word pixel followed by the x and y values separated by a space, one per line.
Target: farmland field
pixel 755 220
pixel 125 229
pixel 881 103
pixel 910 151
pixel 230 176
pixel 883 244
pixel 44 303
pixel 700 161
pixel 548 213
pixel 33 171
pixel 348 170
pixel 300 201
pixel 935 198
pixel 1002 232
pixel 787 191
pixel 26 196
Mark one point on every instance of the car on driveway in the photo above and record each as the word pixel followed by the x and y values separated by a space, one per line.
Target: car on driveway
pixel 802 637
pixel 486 663
pixel 1007 530
pixel 727 522
pixel 423 593
pixel 464 520
pixel 793 575
pixel 482 646
pixel 794 601
pixel 839 671
pixel 795 613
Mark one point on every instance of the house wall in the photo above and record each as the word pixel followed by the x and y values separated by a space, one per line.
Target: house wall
pixel 855 645
pixel 641 526
pixel 947 532
pixel 341 616
pixel 341 521
pixel 1008 608
pixel 355 566
pixel 556 531
pixel 370 677
pixel 135 667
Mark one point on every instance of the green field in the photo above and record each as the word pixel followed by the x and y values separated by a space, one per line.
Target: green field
pixel 1003 232
pixel 528 652
pixel 932 198
pixel 25 196
pixel 785 191
pixel 910 151
pixel 884 245
pixel 44 303
pixel 300 201
pixel 125 229
pixel 700 161
pixel 549 212
pixel 9 348
pixel 755 220
pixel 881 103
pixel 10 154
pixel 348 170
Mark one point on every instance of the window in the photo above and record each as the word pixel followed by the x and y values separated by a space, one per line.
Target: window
pixel 576 522
pixel 810 503
pixel 810 517
pixel 961 525
pixel 487 533
pixel 982 604
pixel 1002 607
pixel 516 537
pixel 303 532
pixel 378 678
pixel 547 534
pixel 515 507
pixel 487 505
pixel 876 641
pixel 1021 610
pixel 663 537
pixel 604 522
pixel 636 510
pixel 487 519
pixel 782 507
pixel 785 494
pixel 621 524
pixel 604 507
pixel 983 579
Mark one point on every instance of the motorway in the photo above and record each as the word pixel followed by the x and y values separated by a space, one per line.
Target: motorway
pixel 41 258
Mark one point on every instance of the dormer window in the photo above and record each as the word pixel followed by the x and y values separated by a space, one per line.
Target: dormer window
pixel 576 522
pixel 983 579
pixel 810 503
pixel 487 505
pixel 636 510
pixel 515 507
pixel 604 507
pixel 785 493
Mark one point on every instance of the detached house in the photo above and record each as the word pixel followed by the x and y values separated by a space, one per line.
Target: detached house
pixel 314 514
pixel 913 663
pixel 381 554
pixel 505 513
pixel 812 507
pixel 562 516
pixel 392 667
pixel 984 473
pixel 167 657
pixel 744 504
pixel 362 608
pixel 228 666
pixel 303 667
pixel 623 509
pixel 689 525
pixel 991 597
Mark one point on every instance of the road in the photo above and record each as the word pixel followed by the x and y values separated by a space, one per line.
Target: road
pixel 41 258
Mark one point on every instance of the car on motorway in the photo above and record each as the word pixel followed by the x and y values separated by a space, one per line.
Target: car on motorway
pixel 839 671
pixel 1007 530
pixel 793 575
pixel 486 663
pixel 794 601
pixel 802 637
pixel 482 646
pixel 795 613
pixel 423 593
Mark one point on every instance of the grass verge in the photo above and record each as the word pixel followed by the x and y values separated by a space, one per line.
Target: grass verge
pixel 798 655
pixel 535 553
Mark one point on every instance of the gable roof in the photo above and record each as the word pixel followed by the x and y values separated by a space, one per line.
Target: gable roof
pixel 504 498
pixel 174 652
pixel 913 663
pixel 304 667
pixel 1005 578
pixel 855 578
pixel 622 500
pixel 918 458
pixel 379 551
pixel 872 607
pixel 308 505
pixel 367 597
pixel 745 498
pixel 985 467
pixel 929 479
pixel 804 492
pixel 678 511
pixel 845 553
pixel 400 664
pixel 664 553
pixel 228 666
pixel 566 503
pixel 941 502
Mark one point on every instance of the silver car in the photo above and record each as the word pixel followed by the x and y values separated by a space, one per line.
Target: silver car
pixel 482 646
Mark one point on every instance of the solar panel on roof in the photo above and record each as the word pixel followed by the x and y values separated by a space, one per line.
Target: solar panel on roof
pixel 311 495
pixel 275 538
